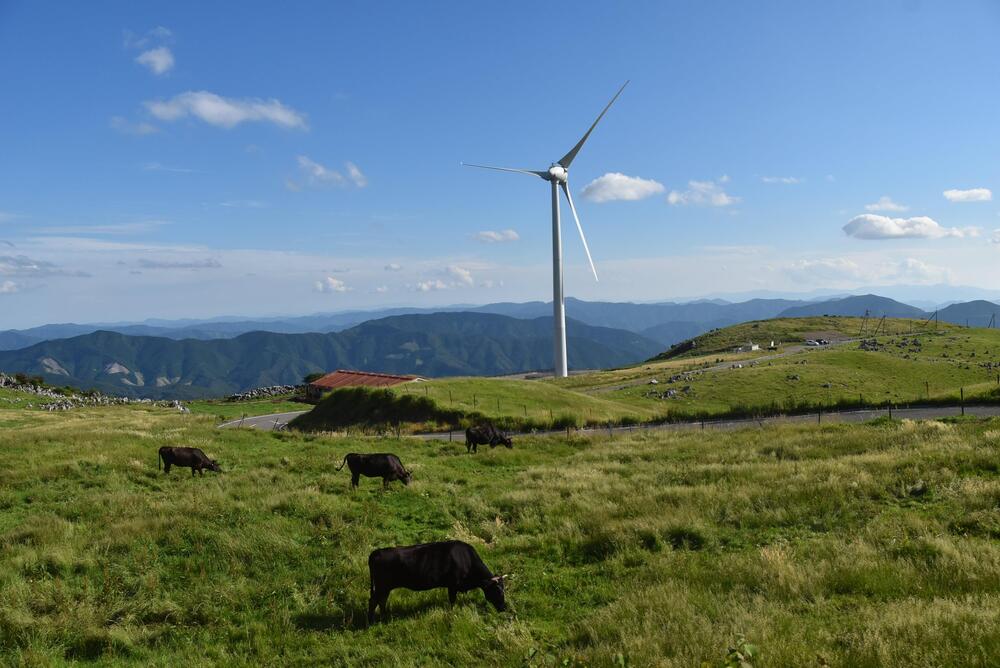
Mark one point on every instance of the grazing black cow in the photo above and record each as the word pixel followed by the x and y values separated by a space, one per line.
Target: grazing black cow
pixel 383 465
pixel 182 456
pixel 451 563
pixel 485 434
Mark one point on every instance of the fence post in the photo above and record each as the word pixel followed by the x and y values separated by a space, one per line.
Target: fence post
pixel 474 402
pixel 451 400
pixel 525 407
pixel 498 404
pixel 890 410
pixel 961 391
pixel 819 416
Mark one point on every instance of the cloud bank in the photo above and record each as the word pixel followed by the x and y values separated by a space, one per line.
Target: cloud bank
pixel 703 193
pixel 871 226
pixel 225 112
pixel 493 237
pixel 615 186
pixel 971 195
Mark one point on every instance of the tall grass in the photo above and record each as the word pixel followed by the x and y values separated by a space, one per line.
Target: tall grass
pixel 832 545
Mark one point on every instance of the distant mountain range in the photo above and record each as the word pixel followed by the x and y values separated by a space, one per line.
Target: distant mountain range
pixel 668 322
pixel 856 306
pixel 440 344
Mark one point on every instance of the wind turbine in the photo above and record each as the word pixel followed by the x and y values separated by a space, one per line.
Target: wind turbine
pixel 558 175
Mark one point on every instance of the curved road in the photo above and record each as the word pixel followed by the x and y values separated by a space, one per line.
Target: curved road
pixel 266 422
pixel 279 420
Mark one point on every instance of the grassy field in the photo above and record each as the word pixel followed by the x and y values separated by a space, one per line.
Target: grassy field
pixel 233 410
pixel 537 400
pixel 837 545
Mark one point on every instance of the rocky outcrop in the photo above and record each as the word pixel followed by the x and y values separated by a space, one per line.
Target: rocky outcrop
pixel 265 392
pixel 59 401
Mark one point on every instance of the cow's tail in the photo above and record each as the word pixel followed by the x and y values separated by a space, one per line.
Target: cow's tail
pixel 342 463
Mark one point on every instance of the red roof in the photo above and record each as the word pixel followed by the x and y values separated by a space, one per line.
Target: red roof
pixel 343 378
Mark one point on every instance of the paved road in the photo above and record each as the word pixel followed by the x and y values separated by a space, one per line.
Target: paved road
pixel 813 418
pixel 279 420
pixel 266 422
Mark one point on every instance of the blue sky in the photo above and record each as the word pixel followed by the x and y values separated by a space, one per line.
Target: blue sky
pixel 180 160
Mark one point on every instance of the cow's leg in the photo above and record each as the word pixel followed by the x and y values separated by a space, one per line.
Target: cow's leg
pixel 192 471
pixel 372 604
pixel 166 468
pixel 354 480
pixel 452 595
pixel 384 604
pixel 385 483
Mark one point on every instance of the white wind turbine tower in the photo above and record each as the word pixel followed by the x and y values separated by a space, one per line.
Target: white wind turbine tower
pixel 558 176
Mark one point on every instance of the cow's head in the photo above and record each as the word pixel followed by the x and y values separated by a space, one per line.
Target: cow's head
pixel 505 439
pixel 493 589
pixel 407 477
pixel 214 466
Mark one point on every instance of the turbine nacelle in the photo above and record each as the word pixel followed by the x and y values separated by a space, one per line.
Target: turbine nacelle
pixel 557 173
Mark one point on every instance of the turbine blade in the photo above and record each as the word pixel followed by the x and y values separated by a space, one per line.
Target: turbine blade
pixel 569 198
pixel 568 158
pixel 540 175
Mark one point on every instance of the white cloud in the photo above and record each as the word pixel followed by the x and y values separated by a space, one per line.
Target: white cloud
pixel 393 266
pixel 917 271
pixel 24 266
pixel 616 186
pixel 157 34
pixel 841 271
pixel 461 275
pixel 318 175
pixel 127 127
pixel 885 203
pixel 225 112
pixel 491 237
pixel 207 263
pixel 431 285
pixel 355 175
pixel 995 239
pixel 703 193
pixel 331 284
pixel 786 180
pixel 8 288
pixel 971 195
pixel 159 60
pixel 872 226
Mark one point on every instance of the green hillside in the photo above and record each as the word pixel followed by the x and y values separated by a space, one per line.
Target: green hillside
pixel 440 344
pixel 836 545
pixel 935 363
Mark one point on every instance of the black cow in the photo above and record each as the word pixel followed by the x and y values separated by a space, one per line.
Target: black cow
pixel 485 434
pixel 451 563
pixel 383 465
pixel 182 456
